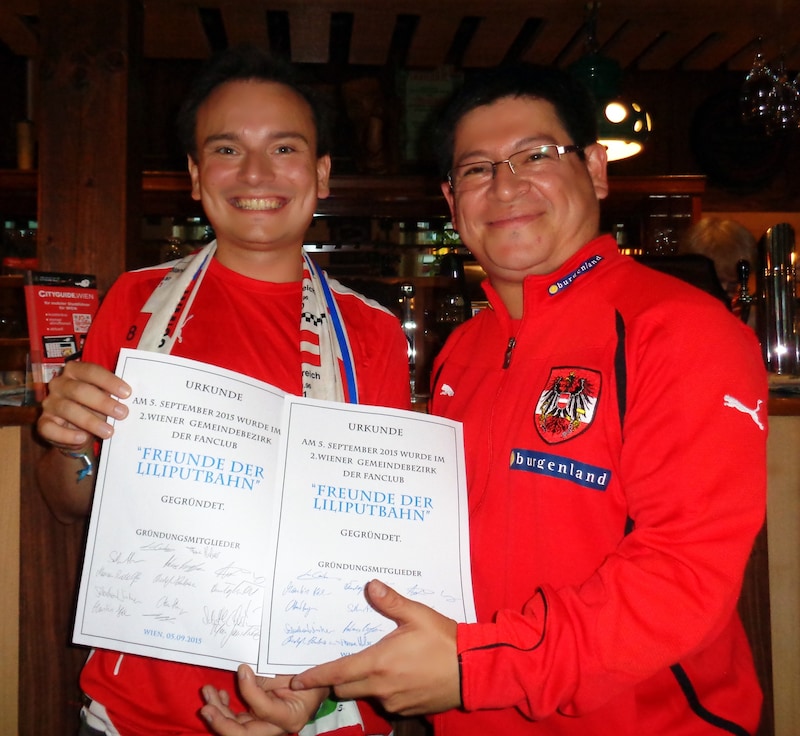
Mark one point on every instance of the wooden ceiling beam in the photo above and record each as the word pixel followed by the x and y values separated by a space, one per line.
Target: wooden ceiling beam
pixel 432 39
pixel 371 36
pixel 309 31
pixel 17 34
pixel 697 35
pixel 732 49
pixel 495 34
pixel 174 31
pixel 552 38
pixel 245 23
pixel 675 45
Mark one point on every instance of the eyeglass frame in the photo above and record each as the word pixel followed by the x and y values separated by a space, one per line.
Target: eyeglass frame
pixel 560 150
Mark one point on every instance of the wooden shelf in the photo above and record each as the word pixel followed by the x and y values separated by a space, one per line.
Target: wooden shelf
pixel 13 342
pixel 18 416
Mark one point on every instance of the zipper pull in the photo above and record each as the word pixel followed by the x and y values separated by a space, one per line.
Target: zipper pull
pixel 509 350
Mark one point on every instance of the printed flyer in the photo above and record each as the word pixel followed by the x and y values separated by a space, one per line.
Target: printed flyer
pixel 234 523
pixel 60 309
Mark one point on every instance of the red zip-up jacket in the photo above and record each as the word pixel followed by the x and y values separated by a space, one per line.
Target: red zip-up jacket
pixel 615 444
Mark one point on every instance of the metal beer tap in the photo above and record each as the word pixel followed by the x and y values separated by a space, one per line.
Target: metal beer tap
pixel 744 299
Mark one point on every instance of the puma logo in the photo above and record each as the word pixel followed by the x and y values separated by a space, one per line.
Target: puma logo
pixel 734 403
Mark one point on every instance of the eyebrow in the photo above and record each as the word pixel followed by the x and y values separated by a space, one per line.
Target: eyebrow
pixel 279 135
pixel 520 145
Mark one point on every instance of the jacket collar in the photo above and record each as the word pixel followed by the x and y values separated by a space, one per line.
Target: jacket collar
pixel 540 289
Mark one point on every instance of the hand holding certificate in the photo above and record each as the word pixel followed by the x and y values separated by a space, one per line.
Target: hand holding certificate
pixel 363 492
pixel 177 535
pixel 233 523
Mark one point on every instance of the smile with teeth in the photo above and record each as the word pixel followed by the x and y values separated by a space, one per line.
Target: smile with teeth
pixel 258 203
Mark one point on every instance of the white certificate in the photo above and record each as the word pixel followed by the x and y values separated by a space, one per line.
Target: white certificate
pixel 179 526
pixel 364 492
pixel 233 523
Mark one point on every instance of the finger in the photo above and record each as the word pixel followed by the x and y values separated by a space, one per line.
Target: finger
pixel 70 425
pixel 249 680
pixel 224 721
pixel 60 434
pixel 350 669
pixel 390 604
pixel 219 699
pixel 349 674
pixel 387 601
pixel 241 725
pixel 75 411
pixel 96 375
pixel 356 690
pixel 254 689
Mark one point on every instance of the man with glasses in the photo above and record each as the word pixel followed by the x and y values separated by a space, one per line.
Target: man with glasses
pixel 615 428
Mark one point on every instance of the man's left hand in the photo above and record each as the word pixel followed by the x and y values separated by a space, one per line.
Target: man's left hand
pixel 411 671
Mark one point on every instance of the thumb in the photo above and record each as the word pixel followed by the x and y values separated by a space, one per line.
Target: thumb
pixel 387 601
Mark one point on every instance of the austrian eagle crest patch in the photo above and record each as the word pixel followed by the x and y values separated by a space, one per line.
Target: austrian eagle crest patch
pixel 567 405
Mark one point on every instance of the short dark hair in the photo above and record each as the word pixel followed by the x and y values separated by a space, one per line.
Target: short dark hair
pixel 241 63
pixel 571 99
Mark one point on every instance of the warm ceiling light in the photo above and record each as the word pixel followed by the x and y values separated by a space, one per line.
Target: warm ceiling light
pixel 622 126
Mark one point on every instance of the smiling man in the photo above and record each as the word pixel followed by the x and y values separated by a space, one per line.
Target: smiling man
pixel 250 302
pixel 258 177
pixel 615 433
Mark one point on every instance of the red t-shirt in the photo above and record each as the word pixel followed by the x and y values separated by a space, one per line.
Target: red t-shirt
pixel 251 327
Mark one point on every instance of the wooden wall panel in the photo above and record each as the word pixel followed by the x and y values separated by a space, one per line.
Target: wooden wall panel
pixel 9 578
pixel 89 157
pixel 50 555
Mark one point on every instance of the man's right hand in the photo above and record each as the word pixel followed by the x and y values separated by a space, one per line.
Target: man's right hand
pixel 77 404
pixel 73 417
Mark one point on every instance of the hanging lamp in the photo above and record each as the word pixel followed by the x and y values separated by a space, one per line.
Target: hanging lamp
pixel 623 126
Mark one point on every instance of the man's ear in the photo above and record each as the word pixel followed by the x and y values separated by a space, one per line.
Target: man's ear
pixel 195 177
pixel 323 176
pixel 451 202
pixel 597 165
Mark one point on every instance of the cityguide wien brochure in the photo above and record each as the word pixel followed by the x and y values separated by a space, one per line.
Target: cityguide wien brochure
pixel 235 523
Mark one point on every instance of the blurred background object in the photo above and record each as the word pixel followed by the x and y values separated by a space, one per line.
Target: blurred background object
pixel 726 243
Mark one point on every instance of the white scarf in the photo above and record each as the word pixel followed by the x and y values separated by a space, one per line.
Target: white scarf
pixel 327 367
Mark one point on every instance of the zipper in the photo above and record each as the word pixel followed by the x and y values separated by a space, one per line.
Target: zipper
pixel 512 341
pixel 476 501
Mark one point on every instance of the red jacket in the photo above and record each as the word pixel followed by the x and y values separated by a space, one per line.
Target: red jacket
pixel 615 444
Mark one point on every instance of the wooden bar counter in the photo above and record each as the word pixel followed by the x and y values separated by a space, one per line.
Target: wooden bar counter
pixel 783 525
pixel 39 668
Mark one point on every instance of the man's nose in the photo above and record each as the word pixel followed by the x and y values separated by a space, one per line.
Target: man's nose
pixel 501 165
pixel 256 166
pixel 505 181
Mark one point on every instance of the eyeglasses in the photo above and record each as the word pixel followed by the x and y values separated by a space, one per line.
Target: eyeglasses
pixel 527 164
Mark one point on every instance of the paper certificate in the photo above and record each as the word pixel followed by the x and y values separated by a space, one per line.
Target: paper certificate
pixel 221 532
pixel 179 525
pixel 363 492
